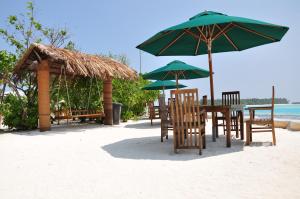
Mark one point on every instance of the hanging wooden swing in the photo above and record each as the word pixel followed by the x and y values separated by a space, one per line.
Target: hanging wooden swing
pixel 69 114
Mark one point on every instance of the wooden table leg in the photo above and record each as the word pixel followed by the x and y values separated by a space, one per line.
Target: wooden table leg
pixel 228 128
pixel 242 124
pixel 213 126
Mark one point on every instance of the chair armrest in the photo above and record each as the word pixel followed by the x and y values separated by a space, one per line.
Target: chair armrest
pixel 259 108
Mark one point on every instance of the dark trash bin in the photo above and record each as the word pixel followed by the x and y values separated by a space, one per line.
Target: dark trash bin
pixel 117 113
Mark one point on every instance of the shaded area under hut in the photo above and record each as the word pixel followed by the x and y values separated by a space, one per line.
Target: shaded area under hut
pixel 47 60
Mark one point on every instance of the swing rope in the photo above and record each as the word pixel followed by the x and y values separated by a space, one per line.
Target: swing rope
pixel 68 97
pixel 58 90
pixel 88 104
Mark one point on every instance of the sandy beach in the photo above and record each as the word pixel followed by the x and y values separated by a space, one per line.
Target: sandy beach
pixel 129 161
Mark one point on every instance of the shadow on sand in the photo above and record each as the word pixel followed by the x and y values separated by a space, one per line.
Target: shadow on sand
pixel 151 148
pixel 60 129
pixel 143 125
pixel 260 144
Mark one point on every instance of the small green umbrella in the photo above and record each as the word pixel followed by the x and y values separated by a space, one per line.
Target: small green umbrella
pixel 162 85
pixel 177 70
pixel 212 32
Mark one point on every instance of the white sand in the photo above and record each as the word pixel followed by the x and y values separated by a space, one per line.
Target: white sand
pixel 129 161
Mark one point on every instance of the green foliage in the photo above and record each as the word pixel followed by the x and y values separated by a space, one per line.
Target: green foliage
pixel 83 93
pixel 20 32
pixel 134 99
pixel 7 61
pixel 16 115
pixel 20 107
pixel 129 93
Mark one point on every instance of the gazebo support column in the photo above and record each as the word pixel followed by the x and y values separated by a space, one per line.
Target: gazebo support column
pixel 107 94
pixel 43 77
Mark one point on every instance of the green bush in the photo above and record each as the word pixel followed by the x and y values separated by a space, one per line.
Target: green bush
pixel 18 114
pixel 134 99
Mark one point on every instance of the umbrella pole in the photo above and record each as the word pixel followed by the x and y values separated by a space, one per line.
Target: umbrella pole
pixel 212 97
pixel 176 81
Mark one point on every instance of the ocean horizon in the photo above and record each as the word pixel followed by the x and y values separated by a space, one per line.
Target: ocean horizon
pixel 281 111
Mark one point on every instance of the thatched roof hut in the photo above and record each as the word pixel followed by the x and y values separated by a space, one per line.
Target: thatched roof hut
pixel 75 63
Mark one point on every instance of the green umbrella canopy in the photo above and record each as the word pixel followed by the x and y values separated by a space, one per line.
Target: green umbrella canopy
pixel 179 69
pixel 212 32
pixel 162 85
pixel 227 33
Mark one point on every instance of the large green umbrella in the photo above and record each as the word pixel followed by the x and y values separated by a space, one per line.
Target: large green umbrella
pixel 212 32
pixel 162 85
pixel 177 70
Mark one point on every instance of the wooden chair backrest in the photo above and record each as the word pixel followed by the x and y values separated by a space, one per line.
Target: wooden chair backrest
pixel 162 107
pixel 273 102
pixel 186 120
pixel 231 98
pixel 151 109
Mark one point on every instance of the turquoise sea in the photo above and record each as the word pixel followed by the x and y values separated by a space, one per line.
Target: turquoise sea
pixel 282 111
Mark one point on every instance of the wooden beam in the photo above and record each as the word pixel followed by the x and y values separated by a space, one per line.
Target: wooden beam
pixel 107 95
pixel 43 79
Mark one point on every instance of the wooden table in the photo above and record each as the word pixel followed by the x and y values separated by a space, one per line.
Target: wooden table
pixel 226 110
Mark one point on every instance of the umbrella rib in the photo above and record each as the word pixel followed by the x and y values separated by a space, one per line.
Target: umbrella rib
pixel 201 32
pixel 193 34
pixel 161 36
pixel 224 30
pixel 213 30
pixel 182 72
pixel 254 32
pixel 166 75
pixel 198 44
pixel 171 43
pixel 228 38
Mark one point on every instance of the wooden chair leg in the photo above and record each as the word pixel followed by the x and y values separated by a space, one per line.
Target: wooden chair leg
pixel 236 129
pixel 242 125
pixel 224 127
pixel 204 141
pixel 217 129
pixel 175 141
pixel 200 144
pixel 247 133
pixel 273 135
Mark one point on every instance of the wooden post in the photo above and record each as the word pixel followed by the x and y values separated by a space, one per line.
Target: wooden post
pixel 43 75
pixel 107 94
pixel 212 97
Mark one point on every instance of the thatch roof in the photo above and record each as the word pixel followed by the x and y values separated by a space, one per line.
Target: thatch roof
pixel 75 63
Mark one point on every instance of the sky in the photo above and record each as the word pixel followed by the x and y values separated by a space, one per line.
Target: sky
pixel 119 26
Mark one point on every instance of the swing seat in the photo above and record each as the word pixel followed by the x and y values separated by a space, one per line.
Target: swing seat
pixel 62 115
pixel 78 114
pixel 90 114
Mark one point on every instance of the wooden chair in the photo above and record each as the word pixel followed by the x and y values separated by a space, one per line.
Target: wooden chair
pixel 188 120
pixel 165 123
pixel 153 112
pixel 257 125
pixel 228 99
